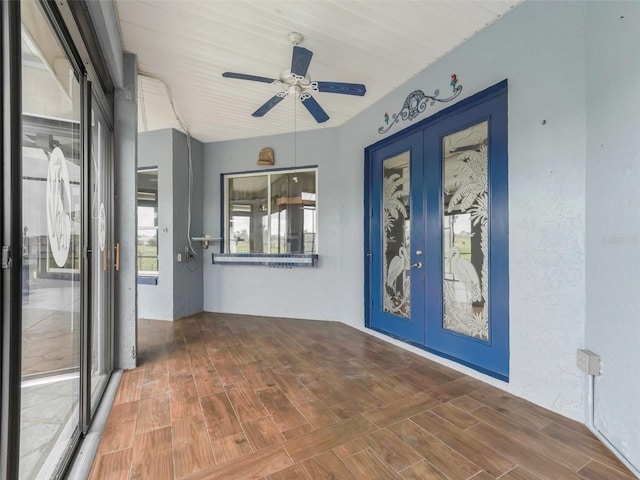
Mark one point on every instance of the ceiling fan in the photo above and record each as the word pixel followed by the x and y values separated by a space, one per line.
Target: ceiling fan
pixel 298 83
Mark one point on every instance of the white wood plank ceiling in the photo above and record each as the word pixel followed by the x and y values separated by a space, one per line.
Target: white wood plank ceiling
pixel 189 44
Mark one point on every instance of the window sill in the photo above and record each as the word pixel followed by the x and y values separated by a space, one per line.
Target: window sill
pixel 281 260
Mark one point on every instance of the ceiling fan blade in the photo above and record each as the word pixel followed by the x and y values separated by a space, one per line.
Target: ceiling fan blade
pixel 300 61
pixel 272 102
pixel 253 78
pixel 314 108
pixel 338 87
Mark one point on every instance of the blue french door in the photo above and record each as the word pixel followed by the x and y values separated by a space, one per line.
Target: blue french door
pixel 396 254
pixel 437 234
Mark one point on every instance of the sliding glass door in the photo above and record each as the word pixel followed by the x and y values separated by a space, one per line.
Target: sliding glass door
pixel 51 248
pixel 59 219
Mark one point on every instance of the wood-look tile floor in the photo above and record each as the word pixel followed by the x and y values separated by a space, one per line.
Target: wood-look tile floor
pixel 236 397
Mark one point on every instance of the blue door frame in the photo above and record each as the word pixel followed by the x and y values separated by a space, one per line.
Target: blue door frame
pixel 425 326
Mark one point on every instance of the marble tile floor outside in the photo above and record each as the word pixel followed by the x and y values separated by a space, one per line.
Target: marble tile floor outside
pixel 50 364
pixel 50 329
pixel 45 411
pixel 237 397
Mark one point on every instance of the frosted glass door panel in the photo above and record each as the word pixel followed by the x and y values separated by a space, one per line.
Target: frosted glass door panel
pixel 465 232
pixel 396 240
pixel 396 243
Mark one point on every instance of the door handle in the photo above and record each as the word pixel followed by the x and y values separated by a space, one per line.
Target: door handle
pixel 117 265
pixel 416 265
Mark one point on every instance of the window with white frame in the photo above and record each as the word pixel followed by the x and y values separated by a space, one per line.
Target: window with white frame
pixel 272 212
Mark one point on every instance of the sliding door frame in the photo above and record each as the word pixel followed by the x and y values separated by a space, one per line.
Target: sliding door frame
pixel 86 255
pixel 11 269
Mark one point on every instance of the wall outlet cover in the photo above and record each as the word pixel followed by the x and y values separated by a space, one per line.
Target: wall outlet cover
pixel 588 361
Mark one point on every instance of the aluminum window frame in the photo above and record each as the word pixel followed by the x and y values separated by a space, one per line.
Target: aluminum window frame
pixel 225 177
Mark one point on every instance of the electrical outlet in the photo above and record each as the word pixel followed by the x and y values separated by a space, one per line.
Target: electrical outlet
pixel 179 257
pixel 588 362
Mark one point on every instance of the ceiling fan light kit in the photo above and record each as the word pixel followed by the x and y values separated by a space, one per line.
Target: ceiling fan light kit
pixel 298 84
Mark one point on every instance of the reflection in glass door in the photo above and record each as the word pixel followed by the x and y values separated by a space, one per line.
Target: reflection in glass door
pixel 465 229
pixel 101 251
pixel 52 212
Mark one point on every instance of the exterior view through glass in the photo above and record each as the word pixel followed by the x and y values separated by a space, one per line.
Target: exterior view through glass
pixel 272 212
pixel 52 212
pixel 466 231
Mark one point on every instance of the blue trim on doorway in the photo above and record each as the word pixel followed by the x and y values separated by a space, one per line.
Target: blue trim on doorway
pixel 493 355
pixel 367 237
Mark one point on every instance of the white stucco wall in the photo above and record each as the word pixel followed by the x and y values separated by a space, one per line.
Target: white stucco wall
pixel 296 292
pixel 613 222
pixel 187 276
pixel 540 49
pixel 178 292
pixel 125 314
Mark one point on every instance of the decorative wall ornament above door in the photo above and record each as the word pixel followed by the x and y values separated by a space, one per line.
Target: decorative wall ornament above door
pixel 416 103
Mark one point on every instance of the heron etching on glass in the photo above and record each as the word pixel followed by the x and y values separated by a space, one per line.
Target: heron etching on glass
pixel 464 272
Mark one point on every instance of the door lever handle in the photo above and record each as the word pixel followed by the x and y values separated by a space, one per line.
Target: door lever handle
pixel 416 265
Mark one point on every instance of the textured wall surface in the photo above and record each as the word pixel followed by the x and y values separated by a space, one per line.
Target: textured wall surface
pixel 126 293
pixel 179 289
pixel 613 223
pixel 297 292
pixel 540 48
pixel 187 276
